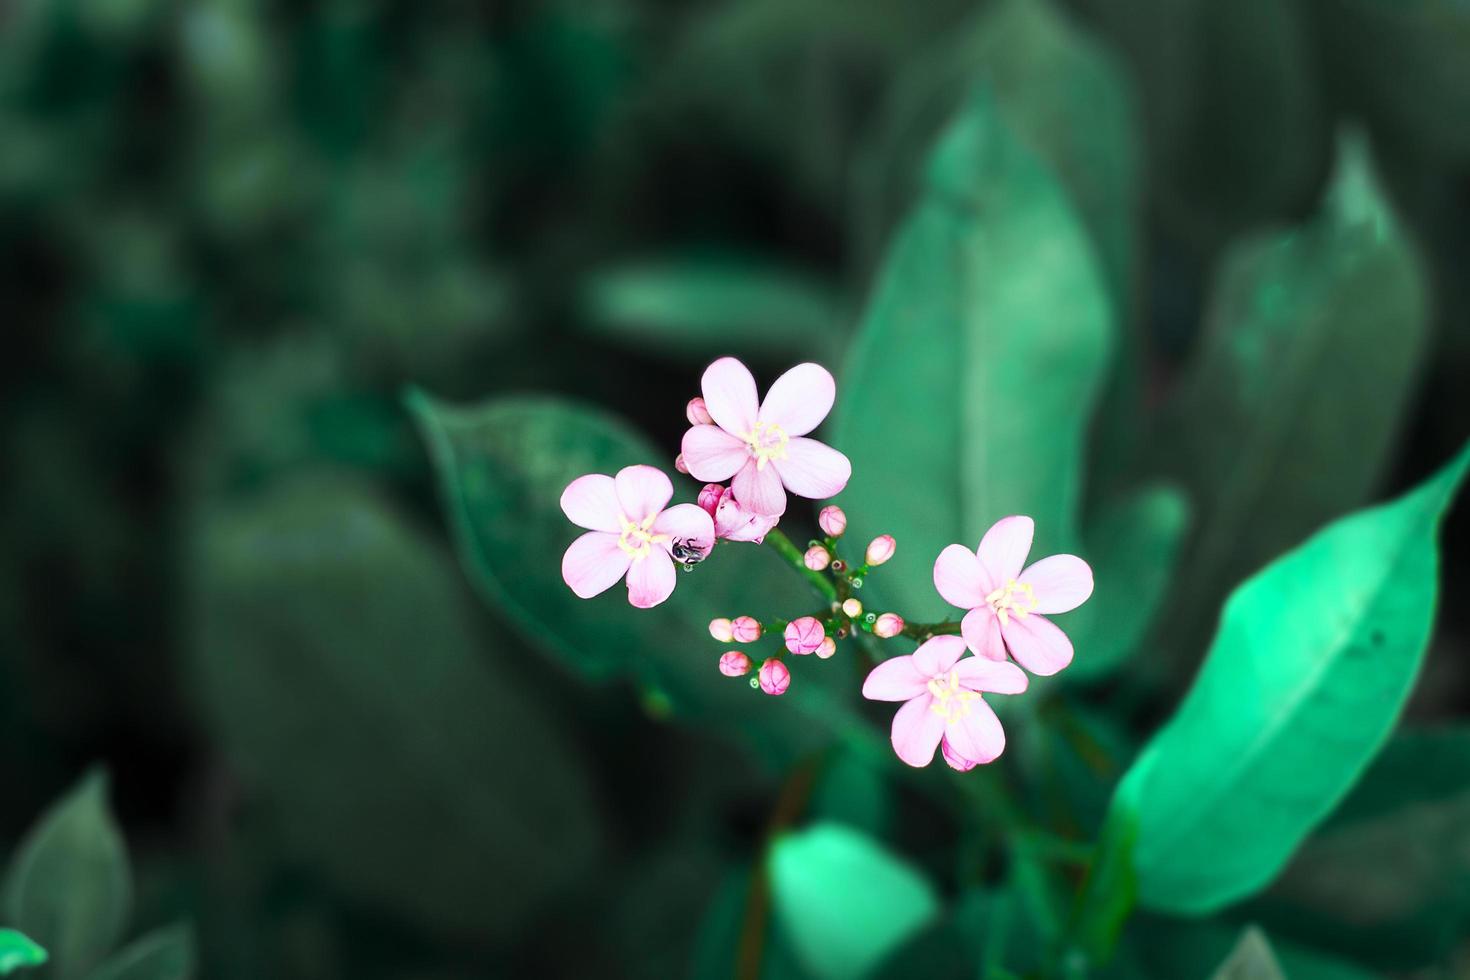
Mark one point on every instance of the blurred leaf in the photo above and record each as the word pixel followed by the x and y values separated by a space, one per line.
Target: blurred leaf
pixel 340 668
pixel 18 951
pixel 1251 959
pixel 727 941
pixel 845 901
pixel 971 384
pixel 1110 886
pixel 165 954
pixel 1293 400
pixel 69 885
pixel 1170 949
pixel 1312 663
pixel 954 944
pixel 850 789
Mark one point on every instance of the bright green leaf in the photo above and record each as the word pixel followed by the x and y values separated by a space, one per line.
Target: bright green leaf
pixel 18 951
pixel 1311 665
pixel 165 954
pixel 845 902
pixel 69 885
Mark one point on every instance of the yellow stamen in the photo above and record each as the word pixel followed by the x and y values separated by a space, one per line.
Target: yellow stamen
pixel 767 441
pixel 951 702
pixel 637 540
pixel 1007 602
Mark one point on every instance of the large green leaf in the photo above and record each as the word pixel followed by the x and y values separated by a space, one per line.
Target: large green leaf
pixel 69 886
pixel 341 669
pixel 845 901
pixel 1311 665
pixel 18 951
pixel 972 381
pixel 165 954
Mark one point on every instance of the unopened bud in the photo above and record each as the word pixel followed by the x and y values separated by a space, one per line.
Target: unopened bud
pixel 721 629
pixel 774 677
pixel 880 549
pixel 734 664
pixel 888 625
pixel 804 635
pixel 680 465
pixel 745 629
pixel 852 608
pixel 709 497
pixel 955 760
pixel 828 647
pixel 832 521
pixel 817 558
pixel 697 413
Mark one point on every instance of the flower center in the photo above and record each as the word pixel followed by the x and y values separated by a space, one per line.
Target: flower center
pixel 951 702
pixel 767 441
pixel 1017 598
pixel 638 539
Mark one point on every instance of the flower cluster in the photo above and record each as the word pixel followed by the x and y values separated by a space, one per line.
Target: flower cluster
pixel 762 448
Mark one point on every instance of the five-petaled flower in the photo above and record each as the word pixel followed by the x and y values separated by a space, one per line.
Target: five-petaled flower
pixel 1004 601
pixel 631 534
pixel 942 691
pixel 762 444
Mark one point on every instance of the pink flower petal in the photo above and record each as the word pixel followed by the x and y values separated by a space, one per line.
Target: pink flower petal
pixel 593 563
pixel 953 759
pixel 976 736
pixel 981 631
pixel 812 469
pixel 1004 548
pixel 997 677
pixel 711 453
pixel 651 580
pixel 895 680
pixel 686 525
pixel 959 577
pixel 729 396
pixel 1061 582
pixel 759 490
pixel 1037 644
pixel 917 731
pixel 591 501
pixel 643 491
pixel 799 399
pixel 936 656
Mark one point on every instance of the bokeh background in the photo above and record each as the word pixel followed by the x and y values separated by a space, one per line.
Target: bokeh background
pixel 234 233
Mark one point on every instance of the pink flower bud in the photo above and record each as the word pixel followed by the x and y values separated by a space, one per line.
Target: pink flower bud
pixel 852 608
pixel 734 664
pixel 880 549
pixel 817 558
pixel 680 465
pixel 832 521
pixel 955 760
pixel 722 630
pixel 888 625
pixel 775 678
pixel 828 647
pixel 697 413
pixel 804 635
pixel 745 629
pixel 709 497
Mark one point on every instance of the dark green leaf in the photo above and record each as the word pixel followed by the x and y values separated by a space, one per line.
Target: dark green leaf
pixel 17 951
pixel 165 954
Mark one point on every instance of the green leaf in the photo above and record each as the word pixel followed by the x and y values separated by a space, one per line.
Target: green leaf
pixel 340 667
pixel 1313 660
pixel 18 951
pixel 69 885
pixel 1290 407
pixel 971 383
pixel 845 902
pixel 164 954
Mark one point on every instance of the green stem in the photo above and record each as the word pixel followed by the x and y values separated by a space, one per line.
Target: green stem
pixel 920 631
pixel 793 555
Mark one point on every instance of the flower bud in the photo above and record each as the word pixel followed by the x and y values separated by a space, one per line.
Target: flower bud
pixel 745 629
pixel 955 760
pixel 804 635
pixel 880 549
pixel 832 521
pixel 734 664
pixel 817 558
pixel 722 630
pixel 697 413
pixel 680 465
pixel 852 608
pixel 774 677
pixel 709 497
pixel 888 625
pixel 828 647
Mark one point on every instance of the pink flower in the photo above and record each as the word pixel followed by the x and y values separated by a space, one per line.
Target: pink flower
pixel 942 699
pixel 832 521
pixel 734 664
pixel 762 445
pixel 732 521
pixel 1004 600
pixel 631 534
pixel 696 413
pixel 805 635
pixel 774 677
pixel 745 629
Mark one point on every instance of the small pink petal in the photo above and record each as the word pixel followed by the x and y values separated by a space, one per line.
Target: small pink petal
pixel 981 631
pixel 759 490
pixel 1060 583
pixel 996 677
pixel 917 731
pixel 729 397
pixel 651 580
pixel 799 399
pixel 591 501
pixel 976 736
pixel 953 759
pixel 812 469
pixel 898 679
pixel 1037 643
pixel 594 563
pixel 643 491
pixel 1004 548
pixel 936 656
pixel 959 577
pixel 689 529
pixel 711 453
